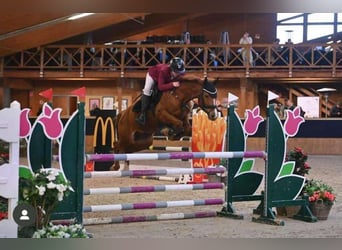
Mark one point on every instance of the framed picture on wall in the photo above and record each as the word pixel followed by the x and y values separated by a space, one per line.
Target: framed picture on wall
pixel 124 104
pixel 94 103
pixel 108 102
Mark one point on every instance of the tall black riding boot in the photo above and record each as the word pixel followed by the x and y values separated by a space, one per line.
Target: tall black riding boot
pixel 145 102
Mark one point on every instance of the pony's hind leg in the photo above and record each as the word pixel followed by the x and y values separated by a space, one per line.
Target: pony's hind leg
pixel 115 166
pixel 126 166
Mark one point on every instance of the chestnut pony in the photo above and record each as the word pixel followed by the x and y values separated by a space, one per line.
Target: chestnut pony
pixel 172 111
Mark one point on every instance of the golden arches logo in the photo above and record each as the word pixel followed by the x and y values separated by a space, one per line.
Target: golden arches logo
pixel 104 125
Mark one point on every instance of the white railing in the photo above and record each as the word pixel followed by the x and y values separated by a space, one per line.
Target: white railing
pixel 9 172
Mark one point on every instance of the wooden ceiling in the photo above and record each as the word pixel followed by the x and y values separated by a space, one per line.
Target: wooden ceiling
pixel 24 31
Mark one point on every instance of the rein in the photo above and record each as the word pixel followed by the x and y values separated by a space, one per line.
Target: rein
pixel 211 92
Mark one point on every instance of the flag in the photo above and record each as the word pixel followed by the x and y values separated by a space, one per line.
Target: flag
pixel 81 92
pixel 271 96
pixel 232 98
pixel 47 94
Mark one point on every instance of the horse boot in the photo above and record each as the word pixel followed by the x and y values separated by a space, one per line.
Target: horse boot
pixel 145 102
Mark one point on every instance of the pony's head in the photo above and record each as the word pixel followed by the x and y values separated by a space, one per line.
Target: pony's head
pixel 207 99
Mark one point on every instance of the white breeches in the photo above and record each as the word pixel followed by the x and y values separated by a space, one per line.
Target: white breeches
pixel 244 56
pixel 149 83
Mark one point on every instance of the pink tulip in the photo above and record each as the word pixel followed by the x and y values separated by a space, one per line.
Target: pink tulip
pixel 253 120
pixel 293 121
pixel 25 125
pixel 51 122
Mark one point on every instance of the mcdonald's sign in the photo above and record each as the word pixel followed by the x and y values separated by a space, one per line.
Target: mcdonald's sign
pixel 100 122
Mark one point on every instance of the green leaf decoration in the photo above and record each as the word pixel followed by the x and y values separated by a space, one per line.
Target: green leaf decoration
pixel 247 166
pixel 287 169
pixel 236 138
pixel 25 172
pixel 247 183
pixel 287 188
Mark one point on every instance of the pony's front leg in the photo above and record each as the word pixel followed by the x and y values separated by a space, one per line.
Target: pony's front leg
pixel 170 120
pixel 187 128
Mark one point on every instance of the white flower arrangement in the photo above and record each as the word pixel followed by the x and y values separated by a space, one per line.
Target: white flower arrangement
pixel 43 190
pixel 61 231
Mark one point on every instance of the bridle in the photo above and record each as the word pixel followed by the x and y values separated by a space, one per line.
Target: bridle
pixel 212 94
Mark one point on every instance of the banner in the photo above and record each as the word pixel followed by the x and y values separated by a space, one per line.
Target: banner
pixel 47 94
pixel 207 136
pixel 104 126
pixel 81 92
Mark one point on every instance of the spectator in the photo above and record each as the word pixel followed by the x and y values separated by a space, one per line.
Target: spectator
pixel 278 108
pixel 246 52
pixel 289 42
pixel 289 105
pixel 336 110
pixel 276 50
pixel 40 110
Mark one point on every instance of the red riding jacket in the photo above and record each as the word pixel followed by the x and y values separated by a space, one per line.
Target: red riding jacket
pixel 161 74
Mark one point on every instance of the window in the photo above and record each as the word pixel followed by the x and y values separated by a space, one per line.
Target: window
pixel 301 27
pixel 321 18
pixel 324 30
pixel 293 32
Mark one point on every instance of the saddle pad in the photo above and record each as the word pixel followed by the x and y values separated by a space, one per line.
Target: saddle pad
pixel 137 106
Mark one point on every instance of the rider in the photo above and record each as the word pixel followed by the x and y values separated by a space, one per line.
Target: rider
pixel 166 76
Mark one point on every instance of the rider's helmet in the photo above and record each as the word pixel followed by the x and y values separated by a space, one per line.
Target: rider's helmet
pixel 177 65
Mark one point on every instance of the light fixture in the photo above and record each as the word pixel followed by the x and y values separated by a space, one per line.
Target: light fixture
pixel 325 92
pixel 289 34
pixel 80 15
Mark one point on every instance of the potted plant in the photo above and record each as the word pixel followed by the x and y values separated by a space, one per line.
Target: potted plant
pixel 3 208
pixel 44 190
pixel 4 157
pixel 321 198
pixel 61 231
pixel 300 157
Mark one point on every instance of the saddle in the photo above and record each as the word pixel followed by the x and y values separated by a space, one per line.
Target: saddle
pixel 155 98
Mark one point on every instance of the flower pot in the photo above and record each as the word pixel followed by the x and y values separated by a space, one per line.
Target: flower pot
pixel 288 211
pixel 3 215
pixel 89 166
pixel 320 209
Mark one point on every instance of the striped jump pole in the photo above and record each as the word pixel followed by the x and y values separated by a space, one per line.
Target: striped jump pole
pixel 151 205
pixel 165 138
pixel 149 172
pixel 170 216
pixel 169 148
pixel 160 178
pixel 174 155
pixel 174 149
pixel 157 188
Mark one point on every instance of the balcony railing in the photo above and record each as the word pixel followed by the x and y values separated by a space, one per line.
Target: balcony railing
pixel 197 57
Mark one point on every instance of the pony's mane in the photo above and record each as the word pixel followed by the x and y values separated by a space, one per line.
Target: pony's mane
pixel 194 78
pixel 191 78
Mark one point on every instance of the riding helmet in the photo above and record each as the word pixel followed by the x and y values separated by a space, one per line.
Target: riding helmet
pixel 177 65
